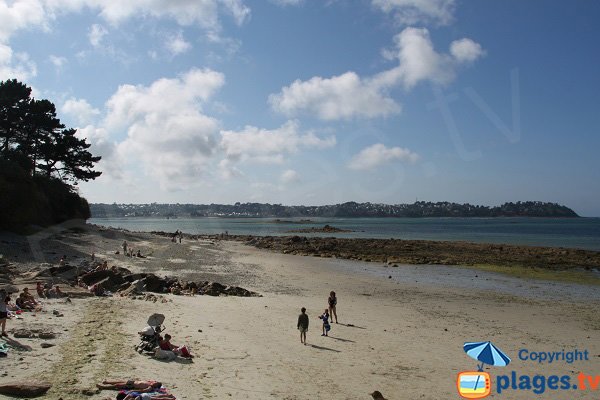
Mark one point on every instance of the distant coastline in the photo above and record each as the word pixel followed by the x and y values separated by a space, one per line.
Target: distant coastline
pixel 420 209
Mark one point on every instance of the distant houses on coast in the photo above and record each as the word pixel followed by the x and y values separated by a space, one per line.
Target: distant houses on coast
pixel 418 209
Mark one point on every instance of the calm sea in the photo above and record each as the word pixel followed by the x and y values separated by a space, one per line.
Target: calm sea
pixel 581 233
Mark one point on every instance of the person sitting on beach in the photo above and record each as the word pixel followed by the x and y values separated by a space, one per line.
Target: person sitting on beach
pixel 97 289
pixel 28 296
pixel 326 326
pixel 39 288
pixel 24 304
pixel 332 301
pixel 139 255
pixel 166 346
pixel 63 261
pixel 55 292
pixel 175 288
pixel 132 384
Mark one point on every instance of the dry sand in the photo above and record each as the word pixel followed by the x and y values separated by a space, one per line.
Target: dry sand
pixel 402 336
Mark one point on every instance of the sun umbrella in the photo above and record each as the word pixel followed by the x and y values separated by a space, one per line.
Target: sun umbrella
pixel 156 319
pixel 487 353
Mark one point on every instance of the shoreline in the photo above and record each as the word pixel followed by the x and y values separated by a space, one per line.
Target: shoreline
pixel 536 262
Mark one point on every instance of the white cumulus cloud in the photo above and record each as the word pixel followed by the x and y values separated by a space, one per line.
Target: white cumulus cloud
pixel 348 95
pixel 27 14
pixel 270 146
pixel 58 62
pixel 466 50
pixel 167 133
pixel 16 15
pixel 176 44
pixel 378 154
pixel 80 110
pixel 289 176
pixel 410 12
pixel 15 65
pixel 339 97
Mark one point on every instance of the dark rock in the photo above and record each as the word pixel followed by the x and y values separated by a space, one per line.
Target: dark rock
pixel 134 277
pixel 23 333
pixel 95 277
pixel 46 335
pixel 46 345
pixel 213 289
pixel 153 283
pixel 25 389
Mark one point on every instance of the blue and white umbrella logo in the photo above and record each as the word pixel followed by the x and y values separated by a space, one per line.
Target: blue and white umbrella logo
pixel 487 353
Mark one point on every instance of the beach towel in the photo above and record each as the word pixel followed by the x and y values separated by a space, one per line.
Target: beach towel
pixel 3 349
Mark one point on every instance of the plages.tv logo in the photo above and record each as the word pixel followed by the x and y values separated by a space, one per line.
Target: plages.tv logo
pixel 478 384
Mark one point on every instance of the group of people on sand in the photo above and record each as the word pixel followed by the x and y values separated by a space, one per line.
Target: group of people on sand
pixel 130 252
pixel 177 235
pixel 25 302
pixel 328 314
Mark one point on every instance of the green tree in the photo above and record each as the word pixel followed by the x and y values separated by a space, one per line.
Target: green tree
pixel 68 156
pixel 34 138
pixel 14 100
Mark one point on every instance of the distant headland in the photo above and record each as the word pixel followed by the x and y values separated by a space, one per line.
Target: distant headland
pixel 419 209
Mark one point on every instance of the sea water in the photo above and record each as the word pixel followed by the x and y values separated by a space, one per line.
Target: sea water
pixel 583 233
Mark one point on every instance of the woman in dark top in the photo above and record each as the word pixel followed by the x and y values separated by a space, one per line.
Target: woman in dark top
pixel 332 300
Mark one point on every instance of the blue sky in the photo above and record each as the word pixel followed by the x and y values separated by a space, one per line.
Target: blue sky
pixel 319 102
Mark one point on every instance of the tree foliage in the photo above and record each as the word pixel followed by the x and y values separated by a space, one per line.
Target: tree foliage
pixel 40 162
pixel 33 136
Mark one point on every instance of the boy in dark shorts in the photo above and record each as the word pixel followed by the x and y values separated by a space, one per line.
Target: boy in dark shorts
pixel 303 325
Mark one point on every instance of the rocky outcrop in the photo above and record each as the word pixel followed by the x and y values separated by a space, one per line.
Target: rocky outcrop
pixel 25 389
pixel 324 229
pixel 397 251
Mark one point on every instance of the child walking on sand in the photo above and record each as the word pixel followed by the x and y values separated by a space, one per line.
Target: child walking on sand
pixel 303 325
pixel 326 326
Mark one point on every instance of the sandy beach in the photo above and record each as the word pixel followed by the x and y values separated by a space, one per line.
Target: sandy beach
pixel 401 329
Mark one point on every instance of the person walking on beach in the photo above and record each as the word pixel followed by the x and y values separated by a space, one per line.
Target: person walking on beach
pixel 4 299
pixel 125 247
pixel 332 301
pixel 303 325
pixel 326 326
